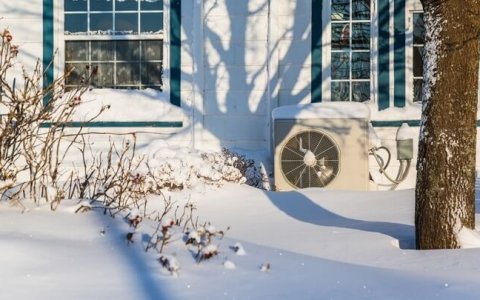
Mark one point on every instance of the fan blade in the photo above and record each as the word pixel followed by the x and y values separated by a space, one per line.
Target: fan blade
pixel 325 175
pixel 321 162
pixel 300 146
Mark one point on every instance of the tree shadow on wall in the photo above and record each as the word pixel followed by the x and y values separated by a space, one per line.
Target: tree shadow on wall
pixel 244 76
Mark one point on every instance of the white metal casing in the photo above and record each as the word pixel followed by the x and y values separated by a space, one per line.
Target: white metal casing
pixel 346 124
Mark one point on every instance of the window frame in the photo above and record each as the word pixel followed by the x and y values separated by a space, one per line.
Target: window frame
pixel 412 6
pixel 60 38
pixel 115 61
pixel 414 45
pixel 327 52
pixel 114 12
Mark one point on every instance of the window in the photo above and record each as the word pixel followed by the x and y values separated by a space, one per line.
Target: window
pixel 121 41
pixel 418 47
pixel 350 50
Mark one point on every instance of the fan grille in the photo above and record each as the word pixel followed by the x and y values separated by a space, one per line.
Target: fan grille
pixel 310 159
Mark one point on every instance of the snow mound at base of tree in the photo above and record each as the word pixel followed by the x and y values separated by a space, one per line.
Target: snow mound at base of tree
pixel 469 238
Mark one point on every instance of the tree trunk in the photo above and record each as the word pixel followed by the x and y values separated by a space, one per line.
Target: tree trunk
pixel 445 191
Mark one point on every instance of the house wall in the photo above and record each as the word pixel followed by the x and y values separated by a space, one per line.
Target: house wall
pixel 23 18
pixel 255 56
pixel 238 60
pixel 235 75
pixel 29 21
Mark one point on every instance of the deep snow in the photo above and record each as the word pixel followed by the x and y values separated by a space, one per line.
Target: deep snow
pixel 310 244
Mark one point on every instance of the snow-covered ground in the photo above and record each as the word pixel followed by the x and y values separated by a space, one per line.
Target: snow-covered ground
pixel 310 244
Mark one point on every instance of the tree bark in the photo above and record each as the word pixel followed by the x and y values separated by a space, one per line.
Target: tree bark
pixel 445 187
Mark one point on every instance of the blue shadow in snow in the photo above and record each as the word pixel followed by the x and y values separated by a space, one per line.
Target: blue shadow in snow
pixel 150 286
pixel 300 207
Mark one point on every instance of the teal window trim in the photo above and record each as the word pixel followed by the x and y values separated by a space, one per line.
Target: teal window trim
pixel 399 53
pixel 175 61
pixel 133 124
pixel 48 52
pixel 398 123
pixel 383 97
pixel 175 51
pixel 316 50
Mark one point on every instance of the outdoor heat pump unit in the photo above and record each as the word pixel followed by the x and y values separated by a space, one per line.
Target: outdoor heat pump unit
pixel 321 145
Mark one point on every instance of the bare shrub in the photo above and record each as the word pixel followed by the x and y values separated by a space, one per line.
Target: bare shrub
pixel 112 179
pixel 33 120
pixel 202 239
pixel 184 169
pixel 36 138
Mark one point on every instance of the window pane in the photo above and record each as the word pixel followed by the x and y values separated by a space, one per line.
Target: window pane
pixel 340 36
pixel 101 5
pixel 418 29
pixel 75 5
pixel 75 23
pixel 361 65
pixel 361 36
pixel 151 5
pixel 151 73
pixel 102 50
pixel 341 91
pixel 126 5
pixel 126 23
pixel 128 74
pixel 128 50
pixel 417 61
pixel 77 73
pixel 101 23
pixel 360 91
pixel 361 9
pixel 151 22
pixel 76 51
pixel 340 10
pixel 340 65
pixel 152 50
pixel 103 75
pixel 120 62
pixel 417 90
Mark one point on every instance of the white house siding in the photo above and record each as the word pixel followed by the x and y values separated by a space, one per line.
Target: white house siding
pixel 292 29
pixel 255 56
pixel 233 67
pixel 23 18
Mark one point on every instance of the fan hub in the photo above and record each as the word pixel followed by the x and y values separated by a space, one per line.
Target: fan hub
pixel 309 159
